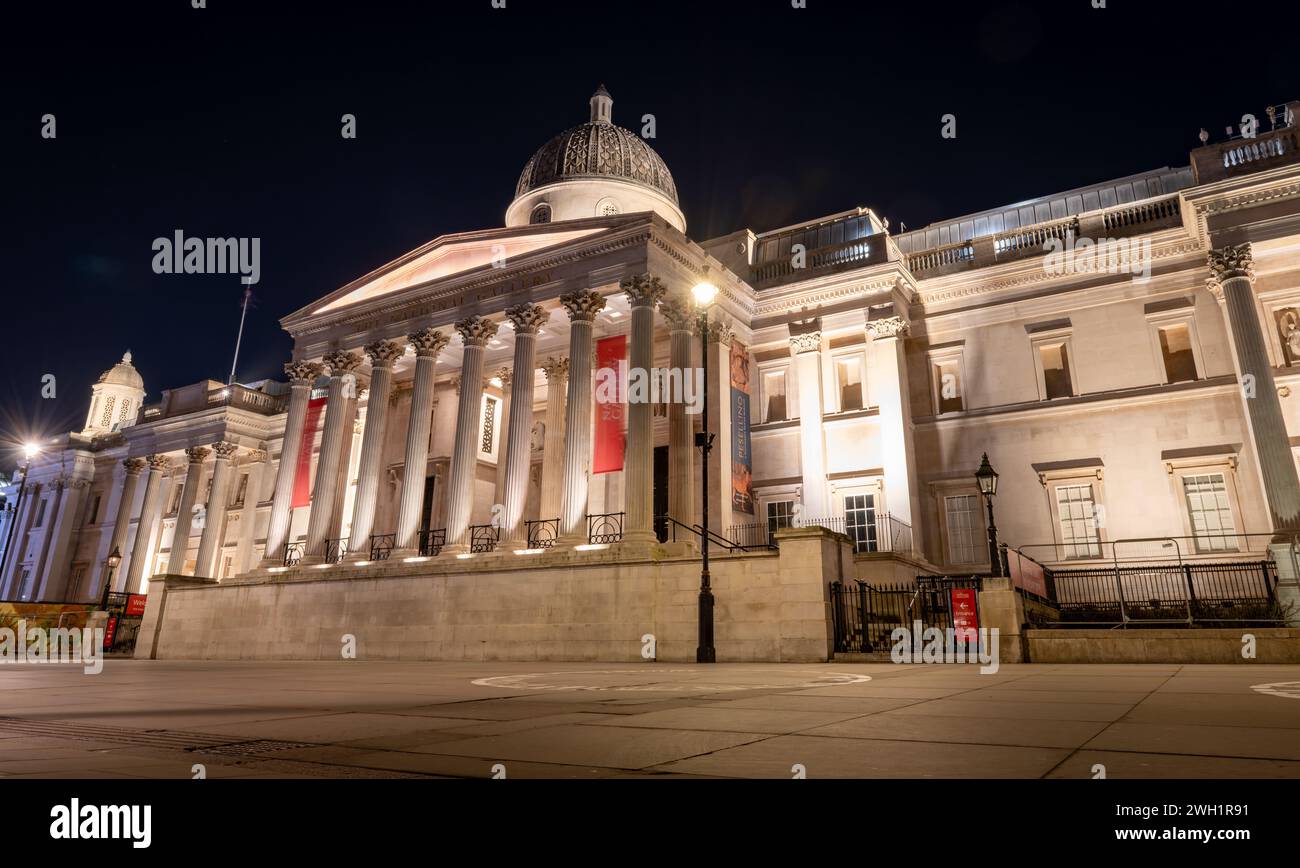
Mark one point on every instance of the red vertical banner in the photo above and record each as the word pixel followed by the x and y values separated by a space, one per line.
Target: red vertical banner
pixel 965 615
pixel 302 473
pixel 611 405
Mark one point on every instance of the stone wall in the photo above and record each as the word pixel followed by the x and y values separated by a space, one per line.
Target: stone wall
pixel 1272 645
pixel 770 607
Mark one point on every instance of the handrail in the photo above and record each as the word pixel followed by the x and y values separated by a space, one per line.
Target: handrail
pixel 729 545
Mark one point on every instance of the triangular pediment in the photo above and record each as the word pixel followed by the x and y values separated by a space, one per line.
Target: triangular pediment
pixel 450 255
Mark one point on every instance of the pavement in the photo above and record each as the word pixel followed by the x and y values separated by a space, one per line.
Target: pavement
pixel 360 719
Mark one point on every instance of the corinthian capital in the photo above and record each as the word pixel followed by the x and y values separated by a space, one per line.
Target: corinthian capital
pixel 808 342
pixel 677 309
pixel 134 466
pixel 197 454
pixel 342 362
pixel 158 463
pixel 428 342
pixel 720 332
pixel 583 304
pixel 527 318
pixel 888 327
pixel 224 449
pixel 302 373
pixel 476 331
pixel 556 370
pixel 1229 263
pixel 384 353
pixel 643 290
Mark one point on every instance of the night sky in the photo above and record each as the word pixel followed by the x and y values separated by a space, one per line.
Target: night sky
pixel 225 122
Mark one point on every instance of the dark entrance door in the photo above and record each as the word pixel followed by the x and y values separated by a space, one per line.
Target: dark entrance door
pixel 661 492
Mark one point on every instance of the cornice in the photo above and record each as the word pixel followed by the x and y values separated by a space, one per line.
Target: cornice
pixel 837 288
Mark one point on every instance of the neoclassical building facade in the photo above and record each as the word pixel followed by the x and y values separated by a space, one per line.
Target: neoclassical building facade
pixel 1127 354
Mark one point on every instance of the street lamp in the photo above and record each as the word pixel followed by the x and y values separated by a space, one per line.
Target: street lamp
pixel 30 451
pixel 988 483
pixel 113 562
pixel 704 293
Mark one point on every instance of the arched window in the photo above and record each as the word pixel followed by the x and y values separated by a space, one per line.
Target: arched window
pixel 126 410
pixel 607 208
pixel 107 419
pixel 541 214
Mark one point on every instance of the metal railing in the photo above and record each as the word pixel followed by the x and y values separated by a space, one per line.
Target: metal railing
pixel 672 529
pixel 542 533
pixel 381 546
pixel 431 542
pixel 605 528
pixel 293 553
pixel 864 616
pixel 886 533
pixel 336 550
pixel 483 538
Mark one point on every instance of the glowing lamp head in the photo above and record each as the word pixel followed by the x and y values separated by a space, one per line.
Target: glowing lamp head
pixel 704 293
pixel 987 478
pixel 497 382
pixel 115 559
pixel 30 450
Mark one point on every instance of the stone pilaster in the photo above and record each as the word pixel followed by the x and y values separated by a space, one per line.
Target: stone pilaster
pixel 132 467
pixel 149 512
pixel 527 319
pixel 342 387
pixel 475 332
pixel 196 455
pixel 898 453
pixel 582 307
pixel 643 292
pixel 427 344
pixel 557 375
pixel 214 526
pixel 53 583
pixel 806 340
pixel 301 377
pixel 505 376
pixel 383 354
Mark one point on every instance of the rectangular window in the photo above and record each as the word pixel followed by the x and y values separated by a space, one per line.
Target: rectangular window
pixel 1077 514
pixel 242 491
pixel 93 515
pixel 848 372
pixel 774 396
pixel 962 513
pixel 1210 512
pixel 860 521
pixel 489 425
pixel 780 513
pixel 1176 351
pixel 40 513
pixel 177 493
pixel 1054 361
pixel 948 387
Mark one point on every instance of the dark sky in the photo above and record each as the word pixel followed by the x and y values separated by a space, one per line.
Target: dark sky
pixel 225 122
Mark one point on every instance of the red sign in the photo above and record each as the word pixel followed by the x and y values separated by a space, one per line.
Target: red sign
pixel 1026 573
pixel 109 629
pixel 134 605
pixel 302 473
pixel 965 614
pixel 611 409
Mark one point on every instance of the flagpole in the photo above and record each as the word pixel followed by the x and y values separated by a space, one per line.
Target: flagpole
pixel 248 292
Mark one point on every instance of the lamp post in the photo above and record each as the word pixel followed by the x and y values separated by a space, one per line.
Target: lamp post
pixel 29 452
pixel 704 293
pixel 988 483
pixel 113 562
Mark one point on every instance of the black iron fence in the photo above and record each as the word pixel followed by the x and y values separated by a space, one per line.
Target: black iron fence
pixel 1197 592
pixel 882 533
pixel 381 546
pixel 336 550
pixel 483 538
pixel 432 541
pixel 542 533
pixel 865 616
pixel 293 553
pixel 605 528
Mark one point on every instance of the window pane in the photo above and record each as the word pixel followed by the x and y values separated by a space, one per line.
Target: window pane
pixel 1056 370
pixel 774 393
pixel 1210 512
pixel 850 379
pixel 1076 512
pixel 1176 348
pixel 961 515
pixel 860 521
pixel 779 514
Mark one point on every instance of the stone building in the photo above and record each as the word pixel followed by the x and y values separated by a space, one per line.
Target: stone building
pixel 1125 353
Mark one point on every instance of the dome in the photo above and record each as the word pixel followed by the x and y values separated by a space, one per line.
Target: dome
pixel 597 149
pixel 123 374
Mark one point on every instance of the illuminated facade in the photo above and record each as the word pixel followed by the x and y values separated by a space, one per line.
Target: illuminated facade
pixel 1126 353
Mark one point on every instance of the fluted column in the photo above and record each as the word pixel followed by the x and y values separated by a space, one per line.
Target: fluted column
pixel 681 448
pixel 341 365
pixel 149 511
pixel 427 344
pixel 52 584
pixel 301 377
pixel 214 526
pixel 807 344
pixel 185 512
pixel 582 307
pixel 13 567
pixel 557 374
pixel 475 331
pixel 507 378
pixel 382 356
pixel 527 319
pixel 1231 281
pixel 898 453
pixel 122 520
pixel 644 292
